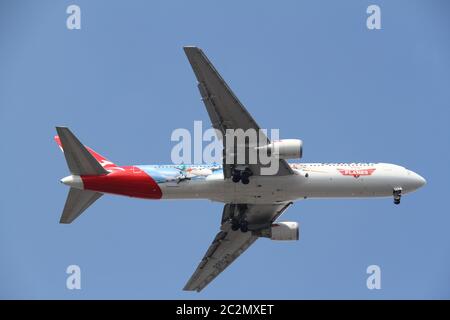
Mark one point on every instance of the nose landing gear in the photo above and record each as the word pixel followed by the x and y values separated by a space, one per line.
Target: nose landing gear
pixel 397 193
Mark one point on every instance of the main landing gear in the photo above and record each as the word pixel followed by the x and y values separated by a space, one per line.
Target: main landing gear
pixel 239 221
pixel 242 175
pixel 397 193
pixel 236 225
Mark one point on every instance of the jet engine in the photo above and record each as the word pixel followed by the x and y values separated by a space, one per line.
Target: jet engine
pixel 281 231
pixel 285 149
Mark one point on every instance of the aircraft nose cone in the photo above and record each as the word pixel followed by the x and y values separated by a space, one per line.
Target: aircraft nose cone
pixel 417 181
pixel 420 180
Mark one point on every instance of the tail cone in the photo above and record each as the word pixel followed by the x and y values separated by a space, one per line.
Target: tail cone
pixel 73 181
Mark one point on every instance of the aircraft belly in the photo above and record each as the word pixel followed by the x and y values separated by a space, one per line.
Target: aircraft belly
pixel 259 190
pixel 274 189
pixel 203 189
pixel 337 186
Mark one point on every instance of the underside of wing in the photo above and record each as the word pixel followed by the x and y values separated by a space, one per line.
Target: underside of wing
pixel 224 108
pixel 229 244
pixel 225 248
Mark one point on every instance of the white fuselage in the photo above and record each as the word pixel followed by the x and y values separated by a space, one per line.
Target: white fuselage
pixel 312 180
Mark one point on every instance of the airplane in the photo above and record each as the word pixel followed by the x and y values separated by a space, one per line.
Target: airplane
pixel 253 201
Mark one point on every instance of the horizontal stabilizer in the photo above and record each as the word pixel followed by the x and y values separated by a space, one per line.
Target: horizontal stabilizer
pixel 77 201
pixel 79 160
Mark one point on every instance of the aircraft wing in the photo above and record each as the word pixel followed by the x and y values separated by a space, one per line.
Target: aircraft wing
pixel 223 107
pixel 229 244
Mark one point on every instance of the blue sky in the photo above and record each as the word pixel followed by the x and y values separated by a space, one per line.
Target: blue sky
pixel 310 68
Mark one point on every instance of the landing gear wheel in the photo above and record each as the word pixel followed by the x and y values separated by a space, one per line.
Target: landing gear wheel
pixel 397 195
pixel 235 225
pixel 245 175
pixel 236 176
pixel 244 226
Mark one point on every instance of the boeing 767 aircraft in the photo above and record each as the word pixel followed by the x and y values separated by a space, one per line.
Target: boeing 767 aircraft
pixel 253 201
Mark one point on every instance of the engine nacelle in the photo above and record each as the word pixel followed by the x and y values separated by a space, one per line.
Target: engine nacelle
pixel 285 149
pixel 284 231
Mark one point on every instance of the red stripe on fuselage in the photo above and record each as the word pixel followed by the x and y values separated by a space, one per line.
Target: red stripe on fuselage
pixel 128 181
